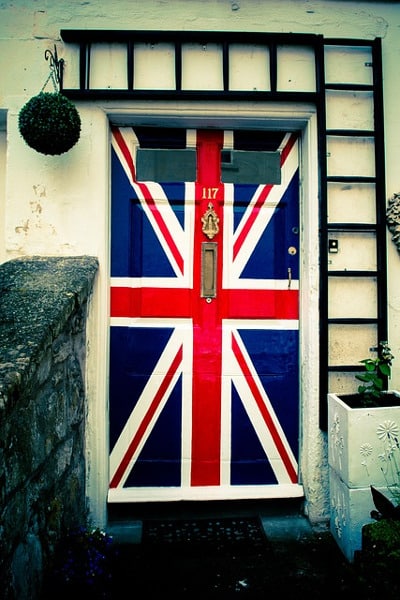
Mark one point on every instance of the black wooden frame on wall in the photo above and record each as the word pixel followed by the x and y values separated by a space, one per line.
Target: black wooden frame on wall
pixel 83 40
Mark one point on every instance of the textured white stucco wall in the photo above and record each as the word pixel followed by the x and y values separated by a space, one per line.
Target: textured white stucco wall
pixel 60 205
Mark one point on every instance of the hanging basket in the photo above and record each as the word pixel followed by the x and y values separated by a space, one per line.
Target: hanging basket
pixel 49 123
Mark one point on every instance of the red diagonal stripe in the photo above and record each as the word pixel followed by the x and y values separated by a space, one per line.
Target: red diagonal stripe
pixel 260 201
pixel 264 411
pixel 146 420
pixel 125 151
pixel 148 198
pixel 162 225
pixel 251 218
pixel 286 150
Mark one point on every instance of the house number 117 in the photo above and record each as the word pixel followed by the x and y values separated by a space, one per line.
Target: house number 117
pixel 209 193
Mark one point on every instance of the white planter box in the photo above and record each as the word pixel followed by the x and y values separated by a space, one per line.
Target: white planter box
pixel 355 451
pixel 358 457
pixel 350 509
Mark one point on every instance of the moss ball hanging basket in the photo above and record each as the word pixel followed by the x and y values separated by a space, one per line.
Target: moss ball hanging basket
pixel 49 123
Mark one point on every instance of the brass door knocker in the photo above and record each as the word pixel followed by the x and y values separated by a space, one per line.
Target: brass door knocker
pixel 210 222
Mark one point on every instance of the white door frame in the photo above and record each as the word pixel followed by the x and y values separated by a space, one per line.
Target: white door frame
pixel 219 115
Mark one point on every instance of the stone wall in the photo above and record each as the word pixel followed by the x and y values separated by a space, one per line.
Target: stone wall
pixel 43 307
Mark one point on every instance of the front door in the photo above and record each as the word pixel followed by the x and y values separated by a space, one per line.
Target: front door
pixel 204 374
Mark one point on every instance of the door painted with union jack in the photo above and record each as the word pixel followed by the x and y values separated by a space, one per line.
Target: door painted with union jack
pixel 204 330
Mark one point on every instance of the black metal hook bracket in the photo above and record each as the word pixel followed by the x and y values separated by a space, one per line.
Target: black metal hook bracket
pixel 56 66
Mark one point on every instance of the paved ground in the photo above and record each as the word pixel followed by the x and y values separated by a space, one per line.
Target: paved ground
pixel 293 558
pixel 209 552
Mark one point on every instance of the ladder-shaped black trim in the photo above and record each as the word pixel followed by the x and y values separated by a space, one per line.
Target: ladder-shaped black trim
pixel 378 228
pixel 84 38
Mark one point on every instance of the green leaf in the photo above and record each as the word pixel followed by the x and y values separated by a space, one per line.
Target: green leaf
pixel 370 365
pixel 384 369
pixel 367 377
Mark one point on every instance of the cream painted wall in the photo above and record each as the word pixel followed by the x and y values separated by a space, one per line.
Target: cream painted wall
pixel 3 155
pixel 60 205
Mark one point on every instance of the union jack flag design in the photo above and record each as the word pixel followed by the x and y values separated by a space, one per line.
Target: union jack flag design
pixel 203 391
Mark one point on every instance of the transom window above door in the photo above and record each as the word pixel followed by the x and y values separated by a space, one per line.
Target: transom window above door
pixel 247 156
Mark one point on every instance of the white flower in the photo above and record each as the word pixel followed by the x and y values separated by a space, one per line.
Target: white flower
pixel 366 450
pixel 387 429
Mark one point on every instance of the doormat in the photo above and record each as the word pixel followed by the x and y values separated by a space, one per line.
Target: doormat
pixel 204 533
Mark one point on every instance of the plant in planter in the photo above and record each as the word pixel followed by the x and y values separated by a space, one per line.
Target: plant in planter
pixel 49 123
pixel 379 558
pixel 377 370
pixel 358 425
